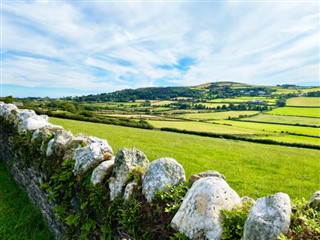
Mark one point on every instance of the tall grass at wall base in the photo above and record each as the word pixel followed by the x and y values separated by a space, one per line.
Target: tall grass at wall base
pixel 19 219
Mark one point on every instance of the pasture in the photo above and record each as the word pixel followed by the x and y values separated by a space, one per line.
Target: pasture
pixel 251 169
pixel 273 128
pixel 204 127
pixel 284 119
pixel 304 102
pixel 296 111
pixel 217 115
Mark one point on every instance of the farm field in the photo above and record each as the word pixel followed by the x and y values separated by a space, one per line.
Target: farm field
pixel 217 115
pixel 19 219
pixel 284 119
pixel 251 169
pixel 291 139
pixel 296 111
pixel 304 102
pixel 204 127
pixel 244 99
pixel 273 128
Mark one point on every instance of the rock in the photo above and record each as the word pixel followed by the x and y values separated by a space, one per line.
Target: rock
pixel 199 214
pixel 58 144
pixel 128 191
pixel 315 200
pixel 208 173
pixel 268 218
pixel 32 123
pixel 40 136
pixel 126 161
pixel 102 171
pixel 9 112
pixel 87 157
pixel 161 174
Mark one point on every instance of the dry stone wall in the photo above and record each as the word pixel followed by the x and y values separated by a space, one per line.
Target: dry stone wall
pixel 78 183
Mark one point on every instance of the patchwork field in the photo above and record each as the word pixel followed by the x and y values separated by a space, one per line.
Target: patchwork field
pixel 296 111
pixel 217 115
pixel 304 101
pixel 251 169
pixel 204 127
pixel 284 119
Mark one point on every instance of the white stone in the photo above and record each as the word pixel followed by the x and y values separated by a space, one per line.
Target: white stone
pixel 102 171
pixel 97 151
pixel 128 191
pixel 58 144
pixel 126 161
pixel 162 174
pixel 268 218
pixel 315 200
pixel 32 123
pixel 199 214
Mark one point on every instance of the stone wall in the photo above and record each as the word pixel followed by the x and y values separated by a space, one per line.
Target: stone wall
pixel 74 179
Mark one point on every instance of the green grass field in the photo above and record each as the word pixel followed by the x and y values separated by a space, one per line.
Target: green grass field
pixel 284 119
pixel 273 128
pixel 19 219
pixel 244 99
pixel 291 139
pixel 296 111
pixel 217 115
pixel 304 101
pixel 251 169
pixel 204 127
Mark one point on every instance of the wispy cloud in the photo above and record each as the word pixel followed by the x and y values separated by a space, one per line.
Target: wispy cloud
pixel 106 46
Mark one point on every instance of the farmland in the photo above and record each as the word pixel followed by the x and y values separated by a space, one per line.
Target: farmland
pixel 297 111
pixel 284 119
pixel 217 115
pixel 251 169
pixel 304 101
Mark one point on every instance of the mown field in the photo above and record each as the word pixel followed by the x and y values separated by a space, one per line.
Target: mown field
pixel 204 127
pixel 304 101
pixel 19 219
pixel 297 111
pixel 251 169
pixel 217 115
pixel 271 118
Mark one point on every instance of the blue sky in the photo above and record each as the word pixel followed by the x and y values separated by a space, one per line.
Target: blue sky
pixel 62 48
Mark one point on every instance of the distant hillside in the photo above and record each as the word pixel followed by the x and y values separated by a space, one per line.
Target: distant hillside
pixel 211 90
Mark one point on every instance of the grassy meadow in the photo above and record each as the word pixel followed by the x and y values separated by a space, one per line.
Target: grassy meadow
pixel 19 219
pixel 284 119
pixel 297 111
pixel 304 101
pixel 217 115
pixel 251 169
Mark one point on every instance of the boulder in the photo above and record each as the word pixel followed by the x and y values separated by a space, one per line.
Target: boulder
pixel 41 136
pixel 9 112
pixel 89 156
pixel 208 173
pixel 128 191
pixel 102 171
pixel 58 144
pixel 268 218
pixel 32 123
pixel 162 174
pixel 315 200
pixel 199 214
pixel 126 161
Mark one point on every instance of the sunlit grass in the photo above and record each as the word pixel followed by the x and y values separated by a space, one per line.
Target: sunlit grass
pixel 19 219
pixel 251 169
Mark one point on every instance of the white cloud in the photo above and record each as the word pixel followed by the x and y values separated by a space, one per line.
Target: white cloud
pixel 108 46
